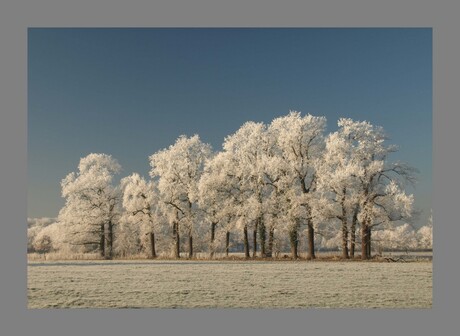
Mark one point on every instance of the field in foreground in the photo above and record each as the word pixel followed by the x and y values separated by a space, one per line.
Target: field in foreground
pixel 221 284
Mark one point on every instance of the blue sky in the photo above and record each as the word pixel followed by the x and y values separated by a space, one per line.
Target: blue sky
pixel 131 92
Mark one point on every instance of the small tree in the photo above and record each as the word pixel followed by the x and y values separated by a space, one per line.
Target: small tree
pixel 34 227
pixel 425 235
pixel 43 243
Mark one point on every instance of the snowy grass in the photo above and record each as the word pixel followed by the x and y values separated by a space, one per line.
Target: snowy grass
pixel 62 256
pixel 324 255
pixel 232 284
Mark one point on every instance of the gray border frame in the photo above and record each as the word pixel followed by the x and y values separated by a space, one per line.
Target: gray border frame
pixel 16 16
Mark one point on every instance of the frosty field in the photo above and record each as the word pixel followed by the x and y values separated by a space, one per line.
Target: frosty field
pixel 222 284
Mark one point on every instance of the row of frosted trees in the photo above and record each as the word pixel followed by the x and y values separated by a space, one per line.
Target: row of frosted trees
pixel 268 183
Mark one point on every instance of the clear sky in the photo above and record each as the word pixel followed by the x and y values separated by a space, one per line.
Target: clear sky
pixel 131 92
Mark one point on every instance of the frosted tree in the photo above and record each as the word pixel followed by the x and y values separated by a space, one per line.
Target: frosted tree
pixel 139 200
pixel 34 227
pixel 337 186
pixel 380 186
pixel 178 170
pixel 425 235
pixel 401 237
pixel 249 148
pixel 284 205
pixel 91 207
pixel 282 213
pixel 300 141
pixel 223 197
pixel 216 198
pixel 276 213
pixel 31 234
pixel 43 243
pixel 52 238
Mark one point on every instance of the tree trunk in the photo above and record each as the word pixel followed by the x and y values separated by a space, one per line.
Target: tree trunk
pixel 310 228
pixel 271 237
pixel 345 240
pixel 109 240
pixel 254 239
pixel 176 238
pixel 364 241
pixel 246 242
pixel 365 227
pixel 294 242
pixel 153 254
pixel 353 233
pixel 102 242
pixel 227 243
pixel 345 254
pixel 190 246
pixel 211 246
pixel 262 235
pixel 369 254
pixel 344 219
pixel 311 240
pixel 190 238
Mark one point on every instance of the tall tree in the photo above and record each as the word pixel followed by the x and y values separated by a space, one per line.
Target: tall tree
pixel 336 174
pixel 91 208
pixel 139 200
pixel 178 169
pixel 280 211
pixel 380 183
pixel 223 197
pixel 300 140
pixel 217 197
pixel 249 147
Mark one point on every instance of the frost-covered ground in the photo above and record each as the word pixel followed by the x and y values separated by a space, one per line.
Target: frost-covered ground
pixel 188 284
